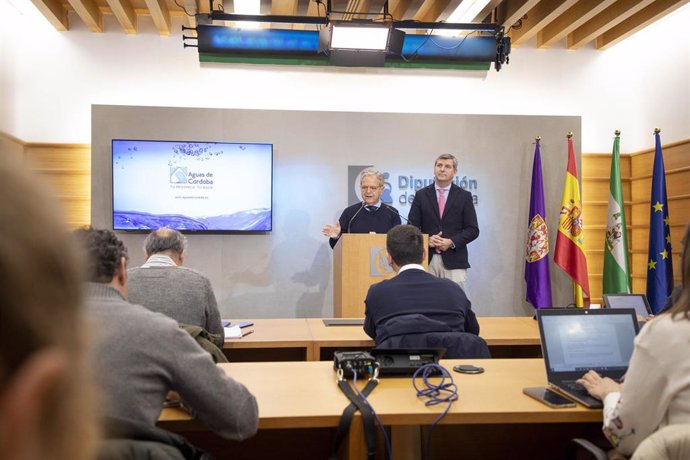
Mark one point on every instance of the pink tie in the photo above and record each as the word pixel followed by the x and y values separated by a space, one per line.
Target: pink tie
pixel 441 201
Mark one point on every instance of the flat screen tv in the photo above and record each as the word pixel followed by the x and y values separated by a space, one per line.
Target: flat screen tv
pixel 192 186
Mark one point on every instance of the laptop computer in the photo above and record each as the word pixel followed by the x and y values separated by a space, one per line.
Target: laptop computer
pixel 636 301
pixel 575 341
pixel 343 322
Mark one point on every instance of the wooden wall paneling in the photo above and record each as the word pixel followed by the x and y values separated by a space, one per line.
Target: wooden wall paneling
pixel 67 169
pixel 599 165
pixel 597 189
pixel 11 146
pixel 676 155
pixel 677 184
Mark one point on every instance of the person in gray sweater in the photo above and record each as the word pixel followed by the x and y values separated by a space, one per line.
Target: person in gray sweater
pixel 162 284
pixel 141 355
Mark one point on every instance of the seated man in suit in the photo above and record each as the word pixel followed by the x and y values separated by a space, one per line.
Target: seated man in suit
pixel 140 356
pixel 369 215
pixel 162 284
pixel 414 302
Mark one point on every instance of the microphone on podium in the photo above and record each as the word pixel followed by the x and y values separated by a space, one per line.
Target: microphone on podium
pixel 395 211
pixel 353 217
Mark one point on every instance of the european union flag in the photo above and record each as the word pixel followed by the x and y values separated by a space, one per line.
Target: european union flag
pixel 659 263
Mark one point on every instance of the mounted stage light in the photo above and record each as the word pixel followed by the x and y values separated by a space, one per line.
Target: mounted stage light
pixel 360 44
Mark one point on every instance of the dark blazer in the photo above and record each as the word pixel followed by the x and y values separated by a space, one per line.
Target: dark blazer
pixel 419 332
pixel 459 222
pixel 356 219
pixel 416 291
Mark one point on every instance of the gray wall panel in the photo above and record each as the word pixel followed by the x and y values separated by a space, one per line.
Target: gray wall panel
pixel 288 273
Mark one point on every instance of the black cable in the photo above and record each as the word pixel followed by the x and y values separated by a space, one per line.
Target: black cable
pixel 437 393
pixel 376 416
pixel 183 9
pixel 414 55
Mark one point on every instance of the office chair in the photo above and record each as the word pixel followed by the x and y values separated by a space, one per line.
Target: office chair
pixel 671 442
pixel 417 331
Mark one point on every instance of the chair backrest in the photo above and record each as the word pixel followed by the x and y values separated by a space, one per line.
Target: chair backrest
pixel 671 442
pixel 458 345
pixel 130 440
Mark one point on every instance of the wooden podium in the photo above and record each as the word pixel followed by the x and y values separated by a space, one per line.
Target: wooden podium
pixel 359 260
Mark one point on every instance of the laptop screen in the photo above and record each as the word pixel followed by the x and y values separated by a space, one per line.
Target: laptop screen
pixel 636 301
pixel 576 341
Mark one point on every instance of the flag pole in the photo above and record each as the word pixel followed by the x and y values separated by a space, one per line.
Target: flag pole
pixel 577 289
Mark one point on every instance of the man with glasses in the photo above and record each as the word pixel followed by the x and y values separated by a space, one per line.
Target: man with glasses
pixel 370 215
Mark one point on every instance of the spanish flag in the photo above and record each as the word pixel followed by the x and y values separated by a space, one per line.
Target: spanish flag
pixel 570 240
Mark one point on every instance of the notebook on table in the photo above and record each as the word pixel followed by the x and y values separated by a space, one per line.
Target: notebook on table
pixel 636 301
pixel 575 341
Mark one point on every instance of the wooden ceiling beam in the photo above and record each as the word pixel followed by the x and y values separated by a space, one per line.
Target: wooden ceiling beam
pixel 430 10
pixel 398 8
pixel 607 19
pixel 125 15
pixel 284 7
pixel 54 12
pixel 485 14
pixel 190 7
pixel 538 17
pixel 313 9
pixel 577 15
pixel 160 15
pixel 638 21
pixel 511 11
pixel 88 11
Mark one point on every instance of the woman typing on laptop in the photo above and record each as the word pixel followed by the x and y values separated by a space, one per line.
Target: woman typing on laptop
pixel 656 392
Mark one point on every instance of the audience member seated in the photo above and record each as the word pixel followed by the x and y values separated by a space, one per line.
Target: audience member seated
pixel 415 309
pixel 656 391
pixel 47 407
pixel 162 284
pixel 141 355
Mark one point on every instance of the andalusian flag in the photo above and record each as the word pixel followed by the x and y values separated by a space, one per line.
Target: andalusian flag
pixel 570 244
pixel 659 263
pixel 616 265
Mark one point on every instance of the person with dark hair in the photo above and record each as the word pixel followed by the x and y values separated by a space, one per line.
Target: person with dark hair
pixel 446 213
pixel 414 301
pixel 656 391
pixel 48 405
pixel 163 285
pixel 141 355
pixel 370 215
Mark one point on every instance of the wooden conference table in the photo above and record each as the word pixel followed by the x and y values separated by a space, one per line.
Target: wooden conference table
pixel 300 339
pixel 491 418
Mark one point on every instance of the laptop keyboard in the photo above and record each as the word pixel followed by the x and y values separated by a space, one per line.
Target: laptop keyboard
pixel 575 388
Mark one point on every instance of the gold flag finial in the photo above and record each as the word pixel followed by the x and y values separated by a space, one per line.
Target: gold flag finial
pixel 617 132
pixel 657 131
pixel 537 138
pixel 569 135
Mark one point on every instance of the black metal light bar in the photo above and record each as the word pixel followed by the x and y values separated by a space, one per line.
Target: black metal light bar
pixel 477 27
pixel 317 20
pixel 219 16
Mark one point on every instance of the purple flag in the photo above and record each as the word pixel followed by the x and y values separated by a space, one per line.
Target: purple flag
pixel 537 274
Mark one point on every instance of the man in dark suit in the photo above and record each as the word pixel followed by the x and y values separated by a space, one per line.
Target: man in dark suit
pixel 424 302
pixel 446 213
